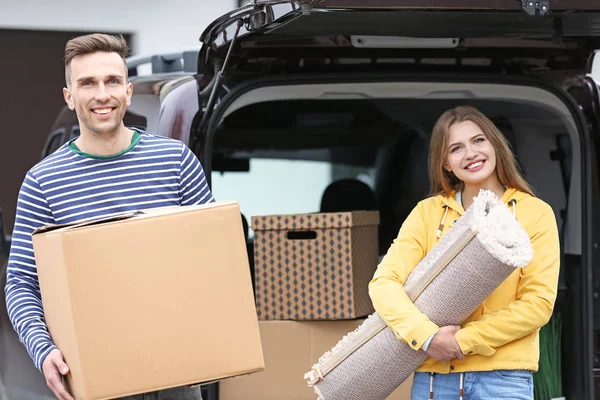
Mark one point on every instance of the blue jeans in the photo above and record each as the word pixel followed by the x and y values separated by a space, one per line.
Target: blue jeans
pixel 497 385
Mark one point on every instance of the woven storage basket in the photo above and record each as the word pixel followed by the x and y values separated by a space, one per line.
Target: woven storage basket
pixel 469 262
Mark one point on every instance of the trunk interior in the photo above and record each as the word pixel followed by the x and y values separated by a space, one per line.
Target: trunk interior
pixel 377 132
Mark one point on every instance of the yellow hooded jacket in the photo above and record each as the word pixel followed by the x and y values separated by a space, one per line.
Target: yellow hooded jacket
pixel 503 332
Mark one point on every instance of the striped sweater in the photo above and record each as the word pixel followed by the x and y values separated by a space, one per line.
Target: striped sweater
pixel 68 186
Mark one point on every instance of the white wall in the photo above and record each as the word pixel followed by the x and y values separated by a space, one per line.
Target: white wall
pixel 158 26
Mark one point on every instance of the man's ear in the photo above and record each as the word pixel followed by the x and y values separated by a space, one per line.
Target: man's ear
pixel 129 92
pixel 68 98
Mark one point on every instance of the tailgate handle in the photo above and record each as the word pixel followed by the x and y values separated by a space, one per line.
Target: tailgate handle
pixel 465 94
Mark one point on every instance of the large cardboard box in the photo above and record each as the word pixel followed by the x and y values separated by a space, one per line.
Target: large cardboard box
pixel 291 348
pixel 156 300
pixel 314 266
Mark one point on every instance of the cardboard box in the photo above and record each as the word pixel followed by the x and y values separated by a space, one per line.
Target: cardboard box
pixel 314 266
pixel 291 348
pixel 143 302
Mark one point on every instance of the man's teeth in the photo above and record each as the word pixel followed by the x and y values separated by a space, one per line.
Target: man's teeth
pixel 102 110
pixel 475 165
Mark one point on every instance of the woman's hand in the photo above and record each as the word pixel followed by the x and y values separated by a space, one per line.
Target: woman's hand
pixel 443 346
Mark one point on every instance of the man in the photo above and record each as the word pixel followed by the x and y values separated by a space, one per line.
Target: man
pixel 107 170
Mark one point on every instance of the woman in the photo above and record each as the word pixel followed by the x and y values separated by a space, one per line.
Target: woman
pixel 493 354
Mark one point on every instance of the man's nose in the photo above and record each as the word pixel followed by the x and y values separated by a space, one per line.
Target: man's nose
pixel 101 93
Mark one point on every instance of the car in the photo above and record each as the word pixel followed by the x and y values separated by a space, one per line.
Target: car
pixel 304 94
pixel 286 98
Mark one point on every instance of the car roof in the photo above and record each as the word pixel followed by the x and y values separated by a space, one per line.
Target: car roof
pixel 573 18
pixel 274 30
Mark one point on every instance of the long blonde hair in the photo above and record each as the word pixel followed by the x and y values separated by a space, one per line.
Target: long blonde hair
pixel 444 182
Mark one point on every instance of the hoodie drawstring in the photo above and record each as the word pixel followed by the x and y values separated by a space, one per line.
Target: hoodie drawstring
pixel 431 386
pixel 438 233
pixel 460 390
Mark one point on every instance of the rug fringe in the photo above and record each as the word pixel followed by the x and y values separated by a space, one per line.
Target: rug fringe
pixel 500 232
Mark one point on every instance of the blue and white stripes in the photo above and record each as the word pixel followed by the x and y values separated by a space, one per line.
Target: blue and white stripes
pixel 67 187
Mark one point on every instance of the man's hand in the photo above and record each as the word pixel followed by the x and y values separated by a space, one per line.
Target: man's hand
pixel 54 368
pixel 443 346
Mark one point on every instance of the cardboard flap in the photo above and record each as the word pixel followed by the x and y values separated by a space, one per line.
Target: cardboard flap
pixel 299 222
pixel 93 221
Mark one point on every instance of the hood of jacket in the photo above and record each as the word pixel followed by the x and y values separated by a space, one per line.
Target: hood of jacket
pixel 508 197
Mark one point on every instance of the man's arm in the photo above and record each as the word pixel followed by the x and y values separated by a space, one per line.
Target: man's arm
pixel 193 187
pixel 23 298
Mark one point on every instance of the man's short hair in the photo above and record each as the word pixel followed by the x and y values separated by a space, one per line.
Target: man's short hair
pixel 93 43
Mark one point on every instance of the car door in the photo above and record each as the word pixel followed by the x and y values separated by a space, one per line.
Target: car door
pixel 590 104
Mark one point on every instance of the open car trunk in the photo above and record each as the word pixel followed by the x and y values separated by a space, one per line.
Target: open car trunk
pixel 351 89
pixel 376 128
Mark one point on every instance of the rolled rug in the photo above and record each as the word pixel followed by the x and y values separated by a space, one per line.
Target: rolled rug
pixel 475 256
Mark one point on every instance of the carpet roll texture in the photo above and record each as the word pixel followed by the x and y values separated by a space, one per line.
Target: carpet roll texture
pixel 468 263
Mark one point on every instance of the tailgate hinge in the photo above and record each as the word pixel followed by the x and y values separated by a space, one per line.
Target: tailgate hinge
pixel 536 7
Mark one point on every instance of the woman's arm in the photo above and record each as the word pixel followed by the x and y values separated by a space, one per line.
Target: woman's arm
pixel 536 294
pixel 387 291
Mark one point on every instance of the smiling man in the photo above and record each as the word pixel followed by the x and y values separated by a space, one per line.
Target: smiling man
pixel 107 170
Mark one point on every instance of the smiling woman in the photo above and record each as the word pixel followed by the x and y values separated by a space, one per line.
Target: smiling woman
pixel 471 157
pixel 469 153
